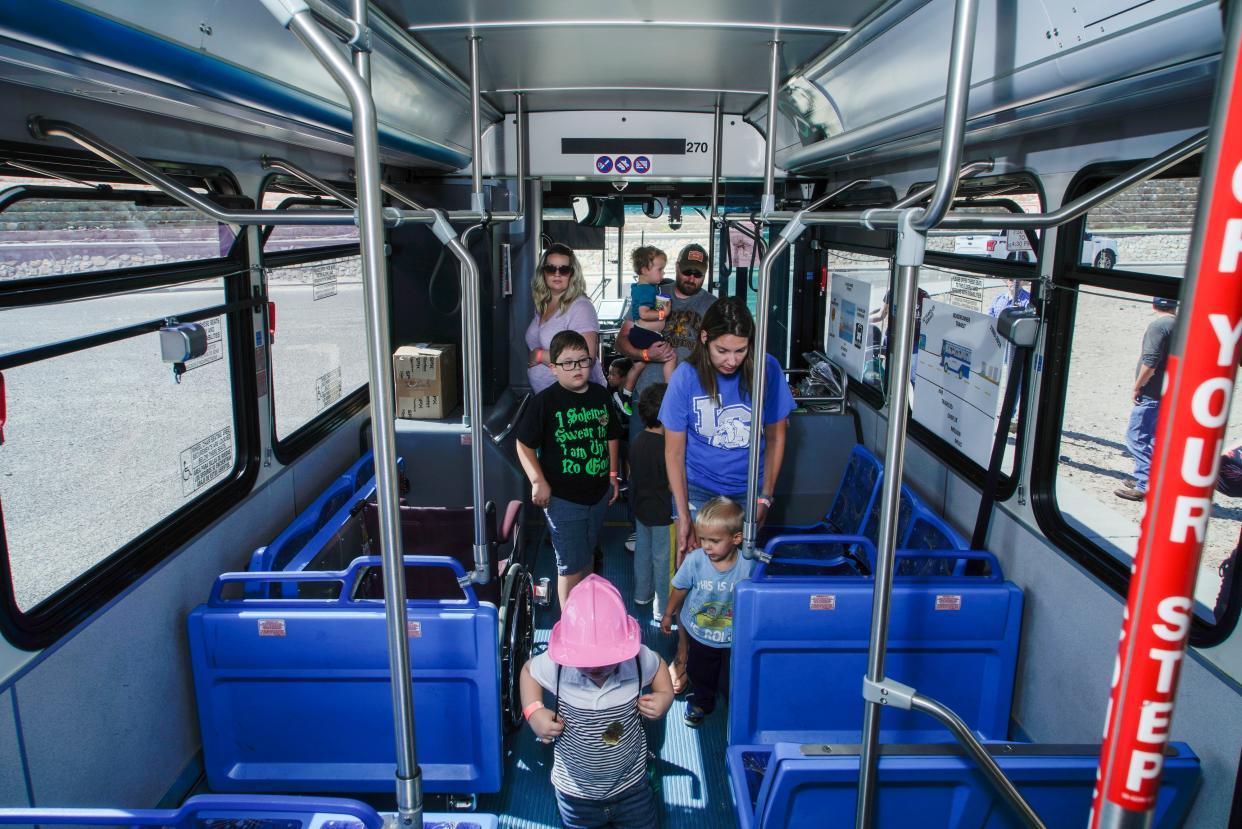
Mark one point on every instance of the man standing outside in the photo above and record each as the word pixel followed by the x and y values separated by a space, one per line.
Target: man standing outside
pixel 681 326
pixel 1148 386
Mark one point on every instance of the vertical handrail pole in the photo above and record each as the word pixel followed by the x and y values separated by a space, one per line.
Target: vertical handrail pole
pixel 520 140
pixel 717 135
pixel 383 434
pixel 956 98
pixel 769 156
pixel 910 247
pixel 476 138
pixel 1190 433
pixel 362 57
pixel 472 372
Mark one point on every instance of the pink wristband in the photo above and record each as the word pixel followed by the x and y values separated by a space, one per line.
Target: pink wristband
pixel 530 709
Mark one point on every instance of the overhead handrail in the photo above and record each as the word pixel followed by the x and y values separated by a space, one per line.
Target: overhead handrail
pixel 966 170
pixel 271 163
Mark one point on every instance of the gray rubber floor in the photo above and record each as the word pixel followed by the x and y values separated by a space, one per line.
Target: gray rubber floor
pixel 694 786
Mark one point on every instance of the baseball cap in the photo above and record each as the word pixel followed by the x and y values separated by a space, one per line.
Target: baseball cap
pixel 692 258
pixel 1163 304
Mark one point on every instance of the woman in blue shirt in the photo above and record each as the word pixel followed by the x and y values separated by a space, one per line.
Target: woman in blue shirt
pixel 706 417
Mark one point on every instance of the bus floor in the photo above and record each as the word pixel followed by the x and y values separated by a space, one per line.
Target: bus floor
pixel 693 787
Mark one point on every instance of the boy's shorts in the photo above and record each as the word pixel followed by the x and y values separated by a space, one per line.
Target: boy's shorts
pixel 643 337
pixel 575 530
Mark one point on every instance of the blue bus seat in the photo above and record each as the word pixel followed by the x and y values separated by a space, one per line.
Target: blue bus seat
pixel 928 531
pixel 446 531
pixel 906 506
pixel 856 494
pixel 294 694
pixel 800 651
pixel 230 811
pixel 791 784
pixel 285 546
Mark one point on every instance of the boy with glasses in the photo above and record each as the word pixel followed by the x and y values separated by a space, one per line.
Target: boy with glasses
pixel 567 442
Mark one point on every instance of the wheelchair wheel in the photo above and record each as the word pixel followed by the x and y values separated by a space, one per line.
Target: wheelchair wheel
pixel 517 639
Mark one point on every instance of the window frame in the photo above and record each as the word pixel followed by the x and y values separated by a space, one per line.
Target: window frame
pixel 1068 272
pixel 1007 484
pixel 306 436
pixel 92 589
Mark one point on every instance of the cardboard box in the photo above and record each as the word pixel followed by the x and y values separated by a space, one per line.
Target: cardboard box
pixel 425 380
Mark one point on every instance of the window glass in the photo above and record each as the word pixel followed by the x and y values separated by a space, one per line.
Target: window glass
pixel 305 237
pixel 52 237
pixel 857 285
pixel 319 352
pixel 1147 228
pixel 1102 422
pixel 1006 245
pixel 102 444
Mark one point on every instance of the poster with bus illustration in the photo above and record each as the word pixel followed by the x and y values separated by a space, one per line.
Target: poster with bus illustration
pixel 957 377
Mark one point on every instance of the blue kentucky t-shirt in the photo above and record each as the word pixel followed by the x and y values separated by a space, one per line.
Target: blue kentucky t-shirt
pixel 718 434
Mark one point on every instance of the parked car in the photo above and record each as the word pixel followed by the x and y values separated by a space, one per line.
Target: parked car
pixel 1098 251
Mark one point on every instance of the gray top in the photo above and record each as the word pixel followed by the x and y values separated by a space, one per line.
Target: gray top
pixel 1156 342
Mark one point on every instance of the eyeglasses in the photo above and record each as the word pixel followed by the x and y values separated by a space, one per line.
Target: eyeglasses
pixel 570 365
pixel 563 270
pixel 695 274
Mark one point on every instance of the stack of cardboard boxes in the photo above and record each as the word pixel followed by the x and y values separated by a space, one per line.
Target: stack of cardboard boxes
pixel 425 380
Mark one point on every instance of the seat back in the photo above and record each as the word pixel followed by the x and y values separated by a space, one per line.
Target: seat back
pixel 814 785
pixel 928 531
pixel 905 510
pixel 800 647
pixel 856 493
pixel 443 531
pixel 294 695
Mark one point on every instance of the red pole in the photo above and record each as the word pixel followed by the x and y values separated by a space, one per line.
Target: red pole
pixel 1189 439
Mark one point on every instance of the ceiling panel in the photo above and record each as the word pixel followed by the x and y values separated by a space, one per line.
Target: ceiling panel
pixel 637 55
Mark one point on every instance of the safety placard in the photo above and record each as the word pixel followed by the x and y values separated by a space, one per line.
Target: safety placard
pixel 215 346
pixel 325 281
pixel 328 388
pixel 848 343
pixel 624 165
pixel 603 164
pixel 642 165
pixel 958 375
pixel 206 460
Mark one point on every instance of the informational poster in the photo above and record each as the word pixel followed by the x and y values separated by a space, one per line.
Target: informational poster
pixel 847 324
pixel 957 390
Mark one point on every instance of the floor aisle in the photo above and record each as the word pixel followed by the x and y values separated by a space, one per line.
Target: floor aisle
pixel 694 784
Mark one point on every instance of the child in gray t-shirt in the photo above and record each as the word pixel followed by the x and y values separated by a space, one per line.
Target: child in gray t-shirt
pixel 702 591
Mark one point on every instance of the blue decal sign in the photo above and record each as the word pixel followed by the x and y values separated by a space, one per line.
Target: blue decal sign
pixel 623 164
pixel 642 165
pixel 603 163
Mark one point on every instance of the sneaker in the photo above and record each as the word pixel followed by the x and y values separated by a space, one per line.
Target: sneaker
pixel 694 716
pixel 642 602
pixel 1128 493
pixel 622 402
pixel 631 542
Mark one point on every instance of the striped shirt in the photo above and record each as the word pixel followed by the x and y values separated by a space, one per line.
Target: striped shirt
pixel 603 750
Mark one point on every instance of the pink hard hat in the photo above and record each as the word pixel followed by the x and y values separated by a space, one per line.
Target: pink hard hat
pixel 594 629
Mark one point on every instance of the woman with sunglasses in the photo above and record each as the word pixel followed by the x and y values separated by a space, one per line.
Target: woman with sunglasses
pixel 561 304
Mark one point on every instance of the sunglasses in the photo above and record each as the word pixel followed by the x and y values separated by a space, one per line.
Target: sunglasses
pixel 695 274
pixel 562 270
pixel 570 365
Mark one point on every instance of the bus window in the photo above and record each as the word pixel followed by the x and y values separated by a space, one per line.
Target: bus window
pixel 1105 430
pixel 319 351
pixel 304 237
pixel 101 445
pixel 1145 229
pixel 54 236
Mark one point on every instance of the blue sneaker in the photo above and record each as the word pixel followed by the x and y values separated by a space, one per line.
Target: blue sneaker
pixel 694 716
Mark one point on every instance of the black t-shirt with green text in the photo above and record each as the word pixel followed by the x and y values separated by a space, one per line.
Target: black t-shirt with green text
pixel 571 431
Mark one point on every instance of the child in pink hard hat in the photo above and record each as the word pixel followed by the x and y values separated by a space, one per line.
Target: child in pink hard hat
pixel 596 666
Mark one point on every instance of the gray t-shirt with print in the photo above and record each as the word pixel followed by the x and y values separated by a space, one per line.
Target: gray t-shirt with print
pixel 681 331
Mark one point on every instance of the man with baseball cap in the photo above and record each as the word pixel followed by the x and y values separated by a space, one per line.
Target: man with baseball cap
pixel 681 327
pixel 1148 386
